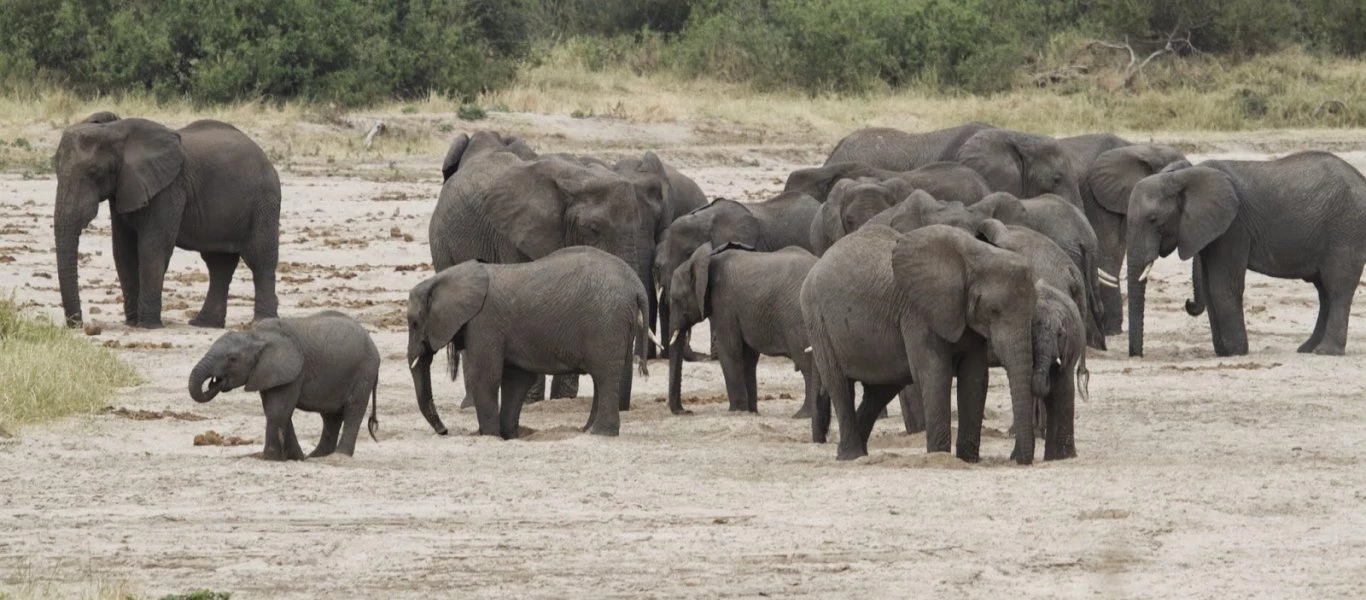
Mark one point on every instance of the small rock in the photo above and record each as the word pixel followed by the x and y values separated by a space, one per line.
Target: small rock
pixel 93 329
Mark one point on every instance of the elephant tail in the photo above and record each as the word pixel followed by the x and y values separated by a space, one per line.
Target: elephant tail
pixel 642 334
pixel 373 424
pixel 1196 305
pixel 1083 383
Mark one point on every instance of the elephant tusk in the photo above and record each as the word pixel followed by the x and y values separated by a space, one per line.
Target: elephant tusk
pixel 653 338
pixel 1109 284
pixel 1084 383
pixel 1106 276
pixel 412 364
pixel 1144 275
pixel 674 338
pixel 808 350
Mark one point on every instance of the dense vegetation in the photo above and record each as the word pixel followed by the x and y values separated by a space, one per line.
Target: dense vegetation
pixel 357 52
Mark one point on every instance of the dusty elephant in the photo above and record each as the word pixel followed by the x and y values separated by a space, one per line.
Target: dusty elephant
pixel 324 363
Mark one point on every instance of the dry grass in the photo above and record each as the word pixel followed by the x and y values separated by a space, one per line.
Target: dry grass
pixel 47 371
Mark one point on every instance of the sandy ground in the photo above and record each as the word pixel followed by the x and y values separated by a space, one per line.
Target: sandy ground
pixel 1197 477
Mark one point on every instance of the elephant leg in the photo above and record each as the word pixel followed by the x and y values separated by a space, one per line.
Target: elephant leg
pixel 1322 321
pixel 221 267
pixel 327 444
pixel 1225 277
pixel 608 384
pixel 912 409
pixel 537 391
pixel 281 443
pixel 972 399
pixel 934 379
pixel 516 382
pixel 820 417
pixel 875 401
pixel 731 355
pixel 812 389
pixel 1340 285
pixel 1059 439
pixel 154 256
pixel 1111 259
pixel 751 357
pixel 262 262
pixel 353 414
pixel 852 445
pixel 651 352
pixel 483 377
pixel 564 386
pixel 126 263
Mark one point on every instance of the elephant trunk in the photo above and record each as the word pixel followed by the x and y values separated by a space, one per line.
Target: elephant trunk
pixel 421 369
pixel 676 348
pixel 203 371
pixel 1015 350
pixel 1196 305
pixel 1140 263
pixel 73 213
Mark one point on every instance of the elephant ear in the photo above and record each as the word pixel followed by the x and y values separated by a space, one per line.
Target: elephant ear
pixel 911 211
pixel 279 360
pixel 928 267
pixel 1208 206
pixel 898 189
pixel 1114 172
pixel 994 154
pixel 1002 206
pixel 448 301
pixel 992 232
pixel 527 203
pixel 452 162
pixel 518 146
pixel 699 270
pixel 832 211
pixel 736 224
pixel 151 160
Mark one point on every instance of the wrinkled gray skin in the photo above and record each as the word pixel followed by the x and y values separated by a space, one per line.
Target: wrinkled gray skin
pixel 1106 184
pixel 206 187
pixel 499 208
pixel 1023 164
pixel 947 181
pixel 774 224
pixel 664 195
pixel 1059 370
pixel 577 310
pixel 1297 217
pixel 324 363
pixel 881 305
pixel 852 203
pixel 752 300
pixel 896 150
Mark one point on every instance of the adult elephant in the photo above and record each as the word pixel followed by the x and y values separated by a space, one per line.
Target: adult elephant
pixel 1105 189
pixel 663 195
pixel 1297 217
pixel 498 208
pixel 947 181
pixel 206 187
pixel 890 309
pixel 1023 164
pixel 897 150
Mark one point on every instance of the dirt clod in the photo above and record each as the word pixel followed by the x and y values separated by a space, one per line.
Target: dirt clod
pixel 213 438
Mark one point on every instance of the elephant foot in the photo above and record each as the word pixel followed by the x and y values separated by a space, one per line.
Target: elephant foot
pixel 607 430
pixel 468 402
pixel 143 324
pixel 1330 350
pixel 1022 458
pixel 319 453
pixel 851 453
pixel 690 355
pixel 208 323
pixel 680 411
pixel 802 413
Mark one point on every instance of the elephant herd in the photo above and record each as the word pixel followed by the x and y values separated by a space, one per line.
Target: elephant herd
pixel 905 262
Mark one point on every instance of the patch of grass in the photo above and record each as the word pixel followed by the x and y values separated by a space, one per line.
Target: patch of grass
pixel 47 371
pixel 471 112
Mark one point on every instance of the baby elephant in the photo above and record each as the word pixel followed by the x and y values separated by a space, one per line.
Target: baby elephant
pixel 323 363
pixel 753 301
pixel 575 311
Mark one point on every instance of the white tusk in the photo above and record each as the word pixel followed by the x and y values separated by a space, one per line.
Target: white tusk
pixel 412 364
pixel 1106 276
pixel 1084 379
pixel 808 350
pixel 653 338
pixel 1144 275
pixel 1110 284
pixel 675 337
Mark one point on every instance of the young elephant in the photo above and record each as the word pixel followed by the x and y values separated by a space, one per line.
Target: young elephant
pixel 753 301
pixel 1059 369
pixel 324 363
pixel 576 311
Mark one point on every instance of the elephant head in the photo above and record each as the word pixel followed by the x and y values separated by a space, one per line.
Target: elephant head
pixel 438 310
pixel 818 182
pixel 125 161
pixel 852 203
pixel 948 182
pixel 1182 210
pixel 955 284
pixel 1114 173
pixel 920 210
pixel 718 223
pixel 1023 164
pixel 466 148
pixel 689 302
pixel 260 359
pixel 1059 344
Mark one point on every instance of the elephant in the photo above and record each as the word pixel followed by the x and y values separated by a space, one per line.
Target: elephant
pixel 896 150
pixel 500 208
pixel 890 309
pixel 947 181
pixel 773 224
pixel 466 148
pixel 852 203
pixel 1023 164
pixel 577 310
pixel 1106 187
pixel 1059 369
pixel 663 194
pixel 752 300
pixel 1296 217
pixel 324 363
pixel 206 187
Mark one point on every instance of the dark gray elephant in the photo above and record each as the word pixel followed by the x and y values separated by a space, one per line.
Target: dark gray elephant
pixel 206 187
pixel 896 150
pixel 577 310
pixel 753 303
pixel 1106 187
pixel 1023 164
pixel 499 208
pixel 466 149
pixel 881 306
pixel 1297 217
pixel 664 195
pixel 852 203
pixel 324 363
pixel 947 181
pixel 1059 370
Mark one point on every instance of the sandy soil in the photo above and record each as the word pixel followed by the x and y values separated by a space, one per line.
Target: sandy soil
pixel 1198 476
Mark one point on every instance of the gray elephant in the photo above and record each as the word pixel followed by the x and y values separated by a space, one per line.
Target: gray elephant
pixel 577 310
pixel 1060 373
pixel 206 187
pixel 1297 217
pixel 752 301
pixel 1106 187
pixel 466 149
pixel 499 208
pixel 1023 164
pixel 896 150
pixel 324 363
pixel 852 203
pixel 889 309
pixel 947 181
